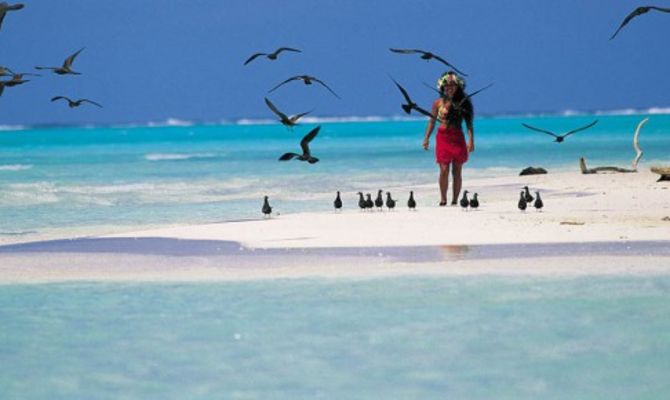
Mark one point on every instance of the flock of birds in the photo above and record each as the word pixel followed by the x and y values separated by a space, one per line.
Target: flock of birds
pixel 365 202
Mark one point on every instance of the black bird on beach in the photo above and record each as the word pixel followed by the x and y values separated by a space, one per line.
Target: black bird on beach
pixel 522 202
pixel 390 203
pixel 304 144
pixel 287 121
pixel 338 202
pixel 266 209
pixel 411 203
pixel 361 201
pixel 527 196
pixel 426 55
pixel 271 56
pixel 368 201
pixel 67 65
pixel 560 138
pixel 464 200
pixel 379 201
pixel 75 103
pixel 307 80
pixel 411 105
pixel 638 11
pixel 538 202
pixel 474 202
pixel 4 7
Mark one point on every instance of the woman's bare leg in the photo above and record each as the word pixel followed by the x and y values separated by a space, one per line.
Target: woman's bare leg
pixel 444 182
pixel 458 181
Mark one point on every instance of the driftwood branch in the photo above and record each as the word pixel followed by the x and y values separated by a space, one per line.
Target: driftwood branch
pixel 638 155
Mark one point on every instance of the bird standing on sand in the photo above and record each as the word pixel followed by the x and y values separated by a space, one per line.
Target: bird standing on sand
pixel 379 201
pixel 75 103
pixel 538 202
pixel 560 138
pixel 338 202
pixel 522 202
pixel 304 144
pixel 411 203
pixel 426 55
pixel 307 80
pixel 67 65
pixel 527 196
pixel 368 201
pixel 271 56
pixel 287 121
pixel 474 202
pixel 390 203
pixel 361 201
pixel 635 13
pixel 464 200
pixel 266 209
pixel 4 7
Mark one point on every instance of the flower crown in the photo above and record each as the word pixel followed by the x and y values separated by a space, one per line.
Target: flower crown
pixel 450 77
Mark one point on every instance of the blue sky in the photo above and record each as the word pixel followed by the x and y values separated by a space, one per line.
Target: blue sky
pixel 154 60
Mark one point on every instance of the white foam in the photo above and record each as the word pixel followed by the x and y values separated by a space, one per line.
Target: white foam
pixel 12 127
pixel 15 167
pixel 171 122
pixel 177 156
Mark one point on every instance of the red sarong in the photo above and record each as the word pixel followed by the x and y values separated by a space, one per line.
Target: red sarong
pixel 450 146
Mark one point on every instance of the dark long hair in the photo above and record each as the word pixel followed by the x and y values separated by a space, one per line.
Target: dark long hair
pixel 466 111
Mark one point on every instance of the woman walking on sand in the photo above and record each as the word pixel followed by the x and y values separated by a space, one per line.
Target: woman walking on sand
pixel 451 150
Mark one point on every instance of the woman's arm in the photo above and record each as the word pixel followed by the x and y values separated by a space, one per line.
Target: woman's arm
pixel 469 118
pixel 429 128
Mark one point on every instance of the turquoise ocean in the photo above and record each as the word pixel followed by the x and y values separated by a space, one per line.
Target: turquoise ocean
pixel 97 179
pixel 411 337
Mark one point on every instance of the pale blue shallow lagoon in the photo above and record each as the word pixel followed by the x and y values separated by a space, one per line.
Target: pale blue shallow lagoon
pixel 396 338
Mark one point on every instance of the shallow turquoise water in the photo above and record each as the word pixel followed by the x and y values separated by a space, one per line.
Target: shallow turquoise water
pixel 129 176
pixel 430 338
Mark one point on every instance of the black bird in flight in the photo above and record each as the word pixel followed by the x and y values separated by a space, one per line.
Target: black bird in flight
pixel 67 65
pixel 75 103
pixel 266 209
pixel 271 56
pixel 288 122
pixel 4 71
pixel 17 79
pixel 338 202
pixel 426 55
pixel 411 105
pixel 4 7
pixel 460 103
pixel 307 80
pixel 635 13
pixel 304 144
pixel 411 203
pixel 560 138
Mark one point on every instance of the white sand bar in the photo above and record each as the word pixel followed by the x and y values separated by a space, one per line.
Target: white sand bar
pixel 578 208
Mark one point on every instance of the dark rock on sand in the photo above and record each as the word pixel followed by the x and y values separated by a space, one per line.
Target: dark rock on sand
pixel 533 171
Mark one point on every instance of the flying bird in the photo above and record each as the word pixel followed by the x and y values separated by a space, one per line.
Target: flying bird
pixel 307 80
pixel 75 103
pixel 411 105
pixel 304 144
pixel 635 13
pixel 4 7
pixel 67 65
pixel 288 122
pixel 426 55
pixel 271 56
pixel 560 138
pixel 17 79
pixel 4 71
pixel 459 105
